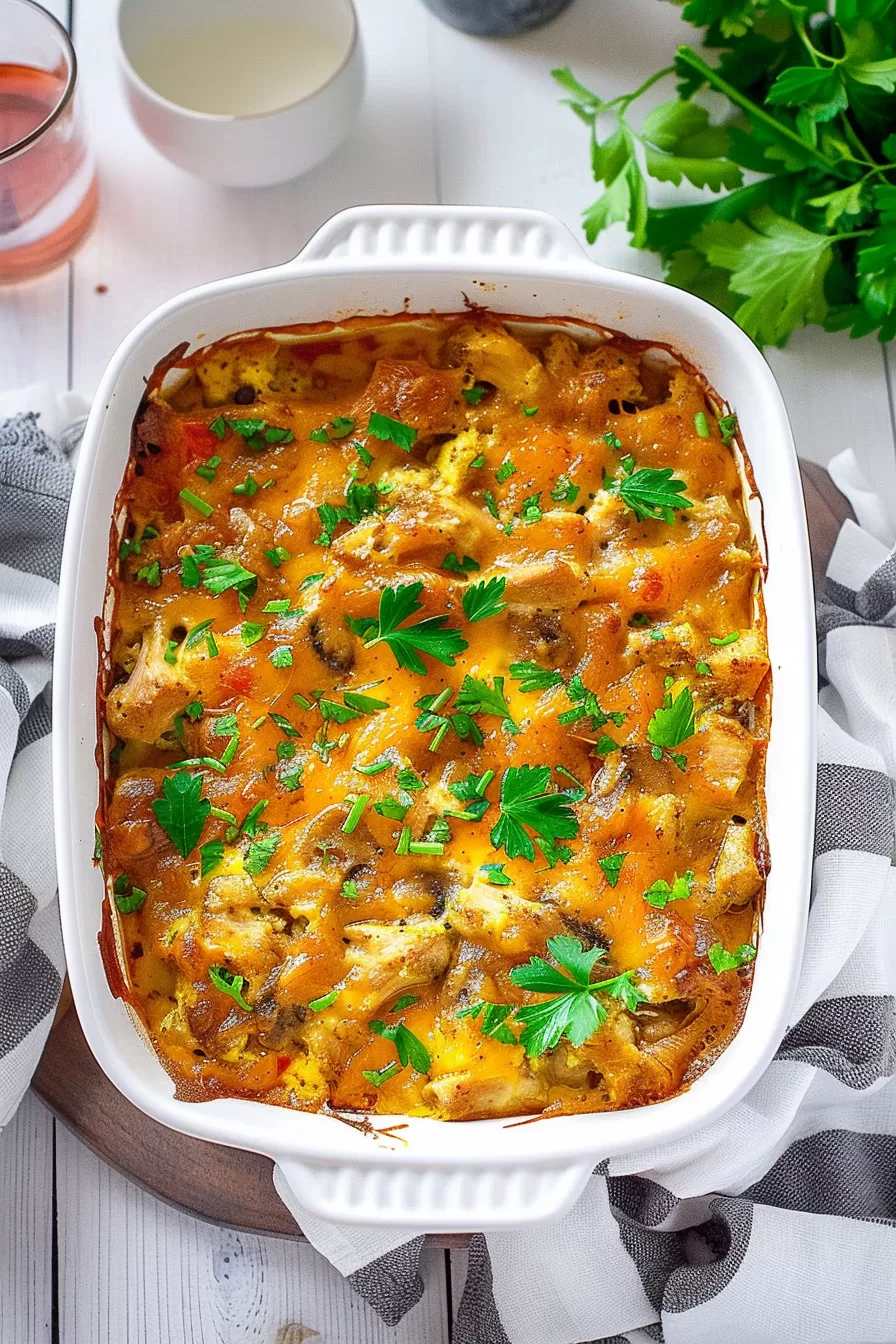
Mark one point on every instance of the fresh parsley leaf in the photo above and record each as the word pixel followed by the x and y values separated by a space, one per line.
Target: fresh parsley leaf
pixel 473 395
pixel 390 807
pixel 477 697
pixel 673 723
pixel 574 1009
pixel 278 556
pixel 211 855
pixel 260 853
pixel 531 510
pixel 505 471
pixel 409 780
pixel 565 491
pixel 128 898
pixel 281 657
pixel 341 426
pixel 150 574
pixel 408 1047
pixel 651 492
pixel 182 811
pixel 456 566
pixel 723 960
pixel 382 427
pixel 534 678
pixel 659 893
pixel 230 983
pixel 494 1020
pixel 611 864
pixel 483 599
pixel 728 427
pixel 407 642
pixel 406 1001
pixel 219 575
pixel 251 632
pixel 525 801
pixel 495 874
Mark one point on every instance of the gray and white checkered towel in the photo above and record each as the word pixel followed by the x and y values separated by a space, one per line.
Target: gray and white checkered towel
pixel 778 1222
pixel 35 481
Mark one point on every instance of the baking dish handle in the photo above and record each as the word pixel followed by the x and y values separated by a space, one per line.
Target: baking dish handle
pixel 431 1198
pixel 427 234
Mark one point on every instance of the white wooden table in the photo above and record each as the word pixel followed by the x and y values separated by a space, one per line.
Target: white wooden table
pixel 86 1258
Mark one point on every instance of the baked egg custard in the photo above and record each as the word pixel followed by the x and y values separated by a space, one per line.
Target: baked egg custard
pixel 434 700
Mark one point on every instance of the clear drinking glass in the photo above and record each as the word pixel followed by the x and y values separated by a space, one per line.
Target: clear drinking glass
pixel 48 191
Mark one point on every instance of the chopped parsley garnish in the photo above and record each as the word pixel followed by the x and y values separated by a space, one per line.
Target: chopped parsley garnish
pixel 325 1000
pixel 341 426
pixel 319 435
pixel 230 983
pixel 284 725
pixel 525 801
pixel 478 461
pixel 349 890
pixel 211 855
pixel 375 768
pixel 151 574
pixel 565 491
pixel 308 580
pixel 495 874
pixel 379 1076
pixel 207 469
pixel 355 812
pixel 659 893
pixel 578 791
pixel 477 697
pixel 587 706
pixel 505 471
pixel 722 960
pixel 279 605
pixel 170 654
pixel 528 410
pixel 218 575
pixel 471 792
pixel 490 503
pixel 672 724
pixel 534 678
pixel 392 808
pixel 428 636
pixel 721 642
pixel 200 505
pixel 703 669
pixel 278 556
pixel 574 1009
pixel 182 811
pixel 409 779
pixel 611 440
pixel 701 425
pixel 531 510
pixel 408 1047
pixel 473 395
pixel 728 427
pixel 194 710
pixel 388 430
pixel 260 853
pixel 481 600
pixel 464 566
pixel 494 1020
pixel 361 501
pixel 128 898
pixel 611 864
pixel 251 632
pixel 247 487
pixel 650 492
pixel 282 656
pixel 364 704
pixel 218 427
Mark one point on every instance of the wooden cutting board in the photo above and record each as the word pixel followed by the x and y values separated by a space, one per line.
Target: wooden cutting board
pixel 226 1185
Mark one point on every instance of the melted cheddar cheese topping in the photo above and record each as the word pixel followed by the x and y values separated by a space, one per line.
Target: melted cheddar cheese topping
pixel 412 678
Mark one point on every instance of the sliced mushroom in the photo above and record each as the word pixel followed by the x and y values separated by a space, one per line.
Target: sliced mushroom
pixel 332 641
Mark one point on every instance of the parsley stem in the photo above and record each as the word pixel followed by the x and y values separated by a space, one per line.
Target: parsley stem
pixel 713 78
pixel 626 98
pixel 354 815
pixel 221 815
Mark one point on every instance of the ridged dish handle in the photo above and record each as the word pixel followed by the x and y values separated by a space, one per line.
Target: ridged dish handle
pixel 426 234
pixel 430 1198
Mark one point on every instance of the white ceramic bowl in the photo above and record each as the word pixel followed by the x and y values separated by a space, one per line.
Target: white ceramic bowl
pixel 253 150
pixel 484 1173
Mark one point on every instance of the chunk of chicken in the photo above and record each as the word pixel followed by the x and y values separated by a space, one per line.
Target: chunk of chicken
pixel 414 392
pixel 492 355
pixel 719 765
pixel 423 525
pixel 386 959
pixel 500 920
pixel 737 876
pixel 232 929
pixel 143 708
pixel 464 1096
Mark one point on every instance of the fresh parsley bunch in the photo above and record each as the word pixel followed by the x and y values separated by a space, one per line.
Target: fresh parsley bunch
pixel 811 236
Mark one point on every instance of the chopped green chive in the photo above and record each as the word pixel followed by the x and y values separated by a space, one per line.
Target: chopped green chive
pixel 528 410
pixel 490 503
pixel 426 847
pixel 478 461
pixel 505 471
pixel 701 426
pixel 354 816
pixel 318 1005
pixel 207 469
pixel 376 768
pixel 218 427
pixel 247 487
pixel 732 638
pixel 278 555
pixel 151 574
pixel 200 505
pixel 404 840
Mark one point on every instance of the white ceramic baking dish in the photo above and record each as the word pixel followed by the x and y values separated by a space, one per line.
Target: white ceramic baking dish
pixel 428 1174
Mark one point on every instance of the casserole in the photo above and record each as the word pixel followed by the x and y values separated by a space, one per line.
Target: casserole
pixel 487 1172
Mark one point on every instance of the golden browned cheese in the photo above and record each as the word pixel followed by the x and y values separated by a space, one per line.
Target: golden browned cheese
pixel 327 898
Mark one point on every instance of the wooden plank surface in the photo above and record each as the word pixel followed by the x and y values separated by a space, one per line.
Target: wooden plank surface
pixel 26 1226
pixel 132 1271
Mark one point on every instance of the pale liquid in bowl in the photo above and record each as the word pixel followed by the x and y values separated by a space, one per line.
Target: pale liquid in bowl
pixel 238 67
